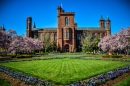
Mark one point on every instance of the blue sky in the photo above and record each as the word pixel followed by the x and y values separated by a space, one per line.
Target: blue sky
pixel 13 13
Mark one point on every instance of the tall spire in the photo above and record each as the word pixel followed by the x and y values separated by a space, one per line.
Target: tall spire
pixel 101 18
pixel 107 17
pixel 34 26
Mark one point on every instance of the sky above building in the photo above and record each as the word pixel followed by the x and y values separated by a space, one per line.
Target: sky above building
pixel 13 13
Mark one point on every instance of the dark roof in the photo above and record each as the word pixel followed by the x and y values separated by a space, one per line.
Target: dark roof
pixel 78 28
pixel 90 28
pixel 51 28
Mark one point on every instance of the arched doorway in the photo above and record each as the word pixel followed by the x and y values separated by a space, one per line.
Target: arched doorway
pixel 66 48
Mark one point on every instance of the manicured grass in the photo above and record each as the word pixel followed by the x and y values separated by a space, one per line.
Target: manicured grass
pixel 125 82
pixel 3 82
pixel 64 71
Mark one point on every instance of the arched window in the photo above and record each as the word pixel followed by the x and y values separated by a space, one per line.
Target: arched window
pixel 66 21
pixel 55 37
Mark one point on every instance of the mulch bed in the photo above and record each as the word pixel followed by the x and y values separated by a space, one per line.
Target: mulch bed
pixel 117 80
pixel 12 81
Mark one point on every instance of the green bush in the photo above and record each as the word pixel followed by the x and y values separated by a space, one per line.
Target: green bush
pixel 11 56
pixel 112 56
pixel 24 56
pixel 46 53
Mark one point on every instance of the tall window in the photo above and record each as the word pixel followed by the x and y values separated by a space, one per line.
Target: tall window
pixel 55 37
pixel 98 34
pixel 35 35
pixel 83 35
pixel 78 36
pixel 103 34
pixel 51 36
pixel 67 33
pixel 66 21
pixel 93 36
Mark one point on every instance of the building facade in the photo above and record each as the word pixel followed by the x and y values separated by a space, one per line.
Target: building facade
pixel 67 35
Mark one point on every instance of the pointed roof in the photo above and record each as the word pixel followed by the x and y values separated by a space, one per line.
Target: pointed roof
pixel 2 27
pixel 101 18
pixel 34 26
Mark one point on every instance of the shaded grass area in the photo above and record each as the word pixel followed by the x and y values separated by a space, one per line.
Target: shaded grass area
pixel 125 82
pixel 3 82
pixel 64 71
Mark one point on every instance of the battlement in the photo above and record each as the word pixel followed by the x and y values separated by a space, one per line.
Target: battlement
pixel 68 13
pixel 62 12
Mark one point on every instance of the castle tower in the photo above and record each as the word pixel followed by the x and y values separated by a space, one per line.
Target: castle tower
pixel 102 22
pixel 29 27
pixel 108 26
pixel 66 30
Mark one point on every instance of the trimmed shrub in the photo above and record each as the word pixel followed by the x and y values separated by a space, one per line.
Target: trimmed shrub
pixel 112 56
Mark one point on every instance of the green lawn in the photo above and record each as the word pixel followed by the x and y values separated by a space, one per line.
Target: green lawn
pixel 125 82
pixel 64 71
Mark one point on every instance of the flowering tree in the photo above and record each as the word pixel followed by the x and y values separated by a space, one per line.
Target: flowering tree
pixel 23 44
pixel 5 38
pixel 116 42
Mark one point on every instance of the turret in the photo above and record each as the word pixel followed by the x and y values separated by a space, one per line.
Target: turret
pixel 59 9
pixel 108 26
pixel 29 27
pixel 102 22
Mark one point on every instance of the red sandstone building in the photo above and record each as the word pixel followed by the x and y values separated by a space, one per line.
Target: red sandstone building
pixel 67 35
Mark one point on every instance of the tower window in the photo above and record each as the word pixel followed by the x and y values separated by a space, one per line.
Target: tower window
pixel 66 21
